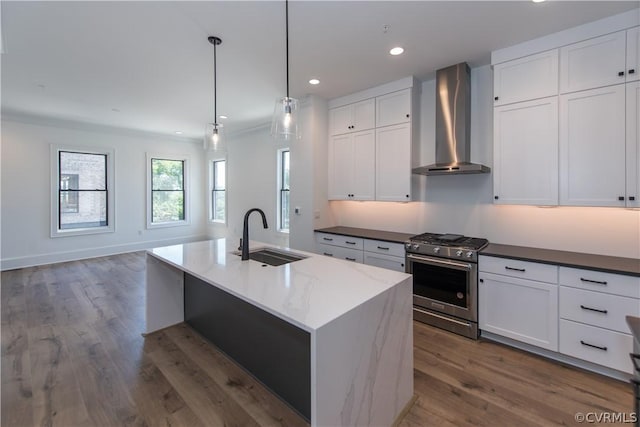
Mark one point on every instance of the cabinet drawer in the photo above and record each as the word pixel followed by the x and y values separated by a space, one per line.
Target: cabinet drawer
pixel 386 248
pixel 340 252
pixel 384 261
pixel 617 284
pixel 339 240
pixel 522 269
pixel 597 309
pixel 596 345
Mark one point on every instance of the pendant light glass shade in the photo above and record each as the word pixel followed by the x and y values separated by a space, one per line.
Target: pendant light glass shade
pixel 214 137
pixel 285 124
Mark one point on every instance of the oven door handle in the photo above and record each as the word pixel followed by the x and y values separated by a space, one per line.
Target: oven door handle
pixel 441 262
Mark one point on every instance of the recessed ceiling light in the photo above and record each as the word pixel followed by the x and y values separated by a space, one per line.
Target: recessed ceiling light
pixel 178 132
pixel 223 117
pixel 396 51
pixel 537 1
pixel 314 81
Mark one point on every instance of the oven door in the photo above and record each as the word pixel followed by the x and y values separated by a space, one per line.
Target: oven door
pixel 446 286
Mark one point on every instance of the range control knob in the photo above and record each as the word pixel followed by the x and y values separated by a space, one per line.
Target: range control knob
pixel 416 246
pixel 407 245
pixel 458 253
pixel 469 254
pixel 436 250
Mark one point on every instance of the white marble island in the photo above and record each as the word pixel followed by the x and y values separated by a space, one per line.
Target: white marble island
pixel 350 325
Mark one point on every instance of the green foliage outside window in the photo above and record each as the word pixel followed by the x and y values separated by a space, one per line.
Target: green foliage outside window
pixel 167 188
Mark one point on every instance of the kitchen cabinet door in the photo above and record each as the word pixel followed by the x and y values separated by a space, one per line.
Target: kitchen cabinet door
pixel 633 54
pixel 592 147
pixel 394 108
pixel 523 310
pixel 593 63
pixel 393 163
pixel 524 79
pixel 633 144
pixel 525 170
pixel 352 166
pixel 352 117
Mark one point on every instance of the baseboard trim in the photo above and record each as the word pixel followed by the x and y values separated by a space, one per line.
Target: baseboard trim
pixel 51 258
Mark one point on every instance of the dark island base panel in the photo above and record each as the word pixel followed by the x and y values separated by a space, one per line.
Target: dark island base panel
pixel 277 353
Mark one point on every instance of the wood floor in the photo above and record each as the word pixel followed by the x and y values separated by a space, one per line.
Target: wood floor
pixel 73 355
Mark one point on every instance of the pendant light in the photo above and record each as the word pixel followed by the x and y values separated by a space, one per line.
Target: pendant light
pixel 284 125
pixel 213 132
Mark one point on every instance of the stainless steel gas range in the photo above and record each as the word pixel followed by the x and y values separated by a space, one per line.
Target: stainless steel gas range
pixel 445 280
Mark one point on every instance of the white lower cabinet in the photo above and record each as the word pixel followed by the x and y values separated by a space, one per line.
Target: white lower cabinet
pixel 520 309
pixel 576 312
pixel 384 261
pixel 379 253
pixel 593 307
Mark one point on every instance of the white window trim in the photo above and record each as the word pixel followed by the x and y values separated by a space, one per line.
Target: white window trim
pixel 279 152
pixel 211 185
pixel 55 195
pixel 187 193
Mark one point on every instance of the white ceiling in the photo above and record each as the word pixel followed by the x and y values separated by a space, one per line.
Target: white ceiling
pixel 151 61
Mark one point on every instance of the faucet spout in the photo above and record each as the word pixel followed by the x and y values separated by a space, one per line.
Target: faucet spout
pixel 245 231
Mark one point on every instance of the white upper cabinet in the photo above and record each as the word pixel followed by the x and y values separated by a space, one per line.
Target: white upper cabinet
pixel 525 155
pixel 633 54
pixel 592 147
pixel 393 163
pixel 373 164
pixel 633 144
pixel 353 117
pixel 352 166
pixel 394 108
pixel 523 79
pixel 593 63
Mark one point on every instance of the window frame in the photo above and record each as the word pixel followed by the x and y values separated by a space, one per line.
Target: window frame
pixel 109 153
pixel 280 190
pixel 185 159
pixel 212 190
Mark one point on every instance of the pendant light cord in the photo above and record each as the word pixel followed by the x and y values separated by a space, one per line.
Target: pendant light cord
pixel 215 87
pixel 287 41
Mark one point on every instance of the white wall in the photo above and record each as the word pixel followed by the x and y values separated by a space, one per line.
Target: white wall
pixel 463 204
pixel 252 180
pixel 309 175
pixel 252 174
pixel 26 192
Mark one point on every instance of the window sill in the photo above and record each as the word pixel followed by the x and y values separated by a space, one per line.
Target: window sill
pixel 151 226
pixel 81 231
pixel 217 223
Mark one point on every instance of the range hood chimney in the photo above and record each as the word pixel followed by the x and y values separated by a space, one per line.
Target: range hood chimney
pixel 453 118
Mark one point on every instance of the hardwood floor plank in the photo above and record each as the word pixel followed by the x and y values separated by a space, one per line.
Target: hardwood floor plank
pixel 57 399
pixel 106 396
pixel 208 401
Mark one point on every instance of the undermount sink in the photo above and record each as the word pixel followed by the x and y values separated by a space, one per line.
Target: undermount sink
pixel 273 257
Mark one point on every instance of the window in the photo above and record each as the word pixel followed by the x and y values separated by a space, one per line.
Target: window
pixel 82 199
pixel 167 204
pixel 218 191
pixel 283 192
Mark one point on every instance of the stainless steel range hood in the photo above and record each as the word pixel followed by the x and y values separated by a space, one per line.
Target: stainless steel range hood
pixel 453 119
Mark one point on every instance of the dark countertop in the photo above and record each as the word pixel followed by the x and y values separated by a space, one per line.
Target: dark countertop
pixel 386 236
pixel 608 264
